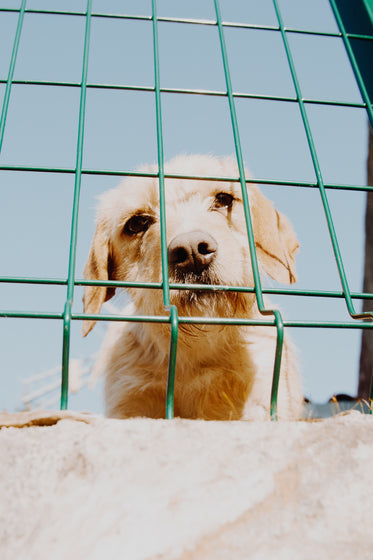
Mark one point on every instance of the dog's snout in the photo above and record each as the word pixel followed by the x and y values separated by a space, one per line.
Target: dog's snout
pixel 192 252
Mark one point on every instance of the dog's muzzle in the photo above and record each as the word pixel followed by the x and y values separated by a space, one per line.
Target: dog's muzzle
pixel 191 253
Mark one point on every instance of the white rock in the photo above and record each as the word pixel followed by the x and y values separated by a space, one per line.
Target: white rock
pixel 192 490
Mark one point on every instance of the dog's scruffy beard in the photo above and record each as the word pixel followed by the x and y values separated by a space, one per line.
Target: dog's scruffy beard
pixel 210 302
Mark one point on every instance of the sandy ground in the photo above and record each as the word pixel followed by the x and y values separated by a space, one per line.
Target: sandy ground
pixel 92 488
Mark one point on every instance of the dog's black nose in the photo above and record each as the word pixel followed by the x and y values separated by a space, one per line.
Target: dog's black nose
pixel 192 252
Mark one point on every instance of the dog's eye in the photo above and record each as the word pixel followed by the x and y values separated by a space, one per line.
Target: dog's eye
pixel 138 224
pixel 223 200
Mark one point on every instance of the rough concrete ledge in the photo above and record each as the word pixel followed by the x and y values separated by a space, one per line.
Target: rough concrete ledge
pixel 187 490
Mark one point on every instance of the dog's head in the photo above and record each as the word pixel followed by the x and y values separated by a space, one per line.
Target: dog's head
pixel 206 239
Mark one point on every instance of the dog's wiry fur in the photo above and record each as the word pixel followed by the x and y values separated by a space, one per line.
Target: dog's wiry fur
pixel 223 372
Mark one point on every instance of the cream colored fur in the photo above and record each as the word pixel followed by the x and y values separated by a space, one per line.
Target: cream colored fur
pixel 222 372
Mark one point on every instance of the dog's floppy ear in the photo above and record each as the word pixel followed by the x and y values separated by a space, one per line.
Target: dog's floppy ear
pixel 98 267
pixel 275 240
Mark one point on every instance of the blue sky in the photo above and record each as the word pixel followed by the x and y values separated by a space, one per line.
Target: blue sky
pixel 120 134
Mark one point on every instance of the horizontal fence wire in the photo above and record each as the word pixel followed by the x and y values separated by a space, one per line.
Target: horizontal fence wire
pixel 186 286
pixel 171 315
pixel 189 320
pixel 195 21
pixel 118 173
pixel 212 93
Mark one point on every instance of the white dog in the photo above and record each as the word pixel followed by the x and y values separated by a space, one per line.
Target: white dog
pixel 222 372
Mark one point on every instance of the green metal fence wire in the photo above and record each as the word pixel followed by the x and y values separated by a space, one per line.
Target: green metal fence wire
pixel 355 67
pixel 369 8
pixel 75 216
pixel 317 168
pixel 11 71
pixel 162 203
pixel 249 226
pixel 271 317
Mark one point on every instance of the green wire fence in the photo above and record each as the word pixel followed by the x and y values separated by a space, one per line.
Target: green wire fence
pixel 271 317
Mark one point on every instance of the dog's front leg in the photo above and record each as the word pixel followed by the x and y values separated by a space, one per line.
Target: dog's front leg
pixel 122 402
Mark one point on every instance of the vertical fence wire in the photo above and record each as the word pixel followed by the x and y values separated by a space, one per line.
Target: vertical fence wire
pixel 320 181
pixel 74 220
pixel 249 227
pixel 369 8
pixel 355 67
pixel 369 109
pixel 162 204
pixel 13 58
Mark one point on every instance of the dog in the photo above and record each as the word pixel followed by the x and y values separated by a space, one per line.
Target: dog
pixel 223 372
